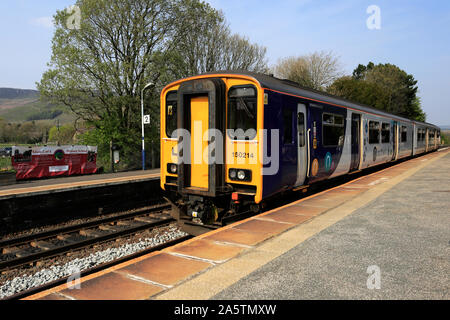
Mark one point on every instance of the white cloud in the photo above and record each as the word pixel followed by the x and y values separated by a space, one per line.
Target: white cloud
pixel 46 22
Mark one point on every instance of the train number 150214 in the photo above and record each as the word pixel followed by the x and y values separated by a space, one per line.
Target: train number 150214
pixel 243 155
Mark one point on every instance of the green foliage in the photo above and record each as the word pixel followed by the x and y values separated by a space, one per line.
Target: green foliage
pixel 5 164
pixel 383 86
pixel 445 137
pixel 99 70
pixel 45 115
pixel 23 133
pixel 62 135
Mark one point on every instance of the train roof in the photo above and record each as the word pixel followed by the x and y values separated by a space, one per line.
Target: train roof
pixel 290 87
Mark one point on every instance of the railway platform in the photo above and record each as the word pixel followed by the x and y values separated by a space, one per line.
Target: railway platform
pixel 380 236
pixel 63 184
pixel 26 201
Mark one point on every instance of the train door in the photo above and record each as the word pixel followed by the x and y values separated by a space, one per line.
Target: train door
pixel 302 152
pixel 395 142
pixel 356 141
pixel 199 125
pixel 201 106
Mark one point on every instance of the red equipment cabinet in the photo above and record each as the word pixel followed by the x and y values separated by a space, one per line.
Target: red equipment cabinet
pixel 53 161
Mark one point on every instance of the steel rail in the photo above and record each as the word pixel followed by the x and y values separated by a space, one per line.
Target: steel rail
pixel 91 240
pixel 58 231
pixel 106 265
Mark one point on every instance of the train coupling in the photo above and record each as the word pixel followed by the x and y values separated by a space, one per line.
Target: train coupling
pixel 201 209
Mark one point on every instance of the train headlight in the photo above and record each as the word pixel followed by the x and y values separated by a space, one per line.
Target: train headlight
pixel 172 168
pixel 240 175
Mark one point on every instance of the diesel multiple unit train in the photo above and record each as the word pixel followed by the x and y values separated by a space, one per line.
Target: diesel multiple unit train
pixel 231 141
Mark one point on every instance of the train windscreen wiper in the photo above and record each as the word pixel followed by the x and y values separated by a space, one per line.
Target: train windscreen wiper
pixel 247 110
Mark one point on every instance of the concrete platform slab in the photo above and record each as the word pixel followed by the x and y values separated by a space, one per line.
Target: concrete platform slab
pixel 283 216
pixel 113 286
pixel 303 209
pixel 165 269
pixel 266 227
pixel 207 250
pixel 54 296
pixel 237 236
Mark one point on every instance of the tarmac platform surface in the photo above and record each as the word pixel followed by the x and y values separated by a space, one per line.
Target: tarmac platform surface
pixel 404 234
pixel 382 236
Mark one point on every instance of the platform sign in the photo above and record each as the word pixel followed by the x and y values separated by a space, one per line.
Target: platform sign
pixel 147 119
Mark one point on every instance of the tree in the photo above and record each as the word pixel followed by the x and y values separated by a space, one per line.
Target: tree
pixel 100 69
pixel 383 86
pixel 62 135
pixel 206 44
pixel 316 70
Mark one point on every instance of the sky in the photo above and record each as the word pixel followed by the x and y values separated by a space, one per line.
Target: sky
pixel 413 35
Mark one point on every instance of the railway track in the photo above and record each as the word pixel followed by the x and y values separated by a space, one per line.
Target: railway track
pixel 36 247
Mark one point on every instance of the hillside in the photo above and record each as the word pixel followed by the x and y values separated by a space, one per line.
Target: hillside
pixel 10 93
pixel 18 105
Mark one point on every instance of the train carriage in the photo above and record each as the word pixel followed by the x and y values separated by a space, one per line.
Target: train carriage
pixel 232 140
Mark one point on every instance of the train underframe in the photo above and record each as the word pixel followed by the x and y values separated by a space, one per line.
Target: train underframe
pixel 198 214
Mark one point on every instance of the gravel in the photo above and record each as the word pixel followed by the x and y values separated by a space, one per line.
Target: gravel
pixel 57 271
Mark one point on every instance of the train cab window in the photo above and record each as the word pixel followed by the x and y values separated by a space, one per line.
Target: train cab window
pixel 333 131
pixel 242 112
pixel 171 113
pixel 404 134
pixel 374 132
pixel 288 137
pixel 385 133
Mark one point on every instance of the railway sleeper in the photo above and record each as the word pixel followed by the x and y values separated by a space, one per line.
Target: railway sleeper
pixel 146 219
pixel 92 233
pixel 44 245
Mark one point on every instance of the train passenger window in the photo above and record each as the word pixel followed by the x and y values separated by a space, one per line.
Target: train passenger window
pixel 385 133
pixel 171 113
pixel 242 112
pixel 287 126
pixel 374 132
pixel 301 129
pixel 422 134
pixel 333 131
pixel 404 134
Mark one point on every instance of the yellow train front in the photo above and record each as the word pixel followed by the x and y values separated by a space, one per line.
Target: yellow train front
pixel 211 148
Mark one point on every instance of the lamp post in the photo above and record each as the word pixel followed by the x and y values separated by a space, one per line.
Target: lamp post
pixel 143 124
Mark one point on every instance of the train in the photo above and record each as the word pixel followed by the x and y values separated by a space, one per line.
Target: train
pixel 231 141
